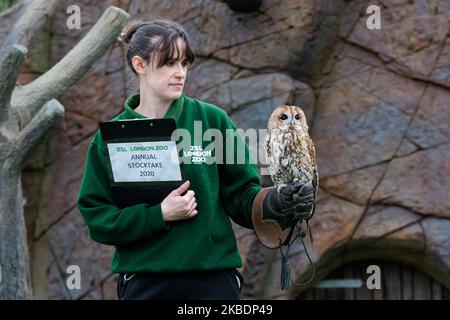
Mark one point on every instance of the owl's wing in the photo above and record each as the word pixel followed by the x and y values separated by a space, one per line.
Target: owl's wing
pixel 271 155
pixel 267 146
pixel 268 149
pixel 312 154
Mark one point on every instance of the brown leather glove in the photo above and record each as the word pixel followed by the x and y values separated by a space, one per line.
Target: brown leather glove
pixel 292 203
pixel 275 214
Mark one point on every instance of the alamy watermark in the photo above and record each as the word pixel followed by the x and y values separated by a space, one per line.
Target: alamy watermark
pixel 74 20
pixel 74 280
pixel 374 280
pixel 234 146
pixel 374 20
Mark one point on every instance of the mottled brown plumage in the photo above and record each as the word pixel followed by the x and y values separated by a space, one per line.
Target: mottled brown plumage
pixel 289 148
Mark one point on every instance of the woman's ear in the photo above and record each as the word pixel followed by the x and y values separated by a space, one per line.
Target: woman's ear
pixel 139 64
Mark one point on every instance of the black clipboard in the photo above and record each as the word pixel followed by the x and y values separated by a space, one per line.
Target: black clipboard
pixel 127 194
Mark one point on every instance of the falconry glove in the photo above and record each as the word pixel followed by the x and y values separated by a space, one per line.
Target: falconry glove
pixel 275 216
pixel 291 203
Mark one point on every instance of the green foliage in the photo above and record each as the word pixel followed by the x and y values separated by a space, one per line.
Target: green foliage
pixel 5 4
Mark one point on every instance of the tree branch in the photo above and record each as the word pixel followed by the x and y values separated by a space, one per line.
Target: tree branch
pixel 47 118
pixel 30 23
pixel 29 98
pixel 10 65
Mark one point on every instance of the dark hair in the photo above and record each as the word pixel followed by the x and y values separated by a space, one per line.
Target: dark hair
pixel 155 39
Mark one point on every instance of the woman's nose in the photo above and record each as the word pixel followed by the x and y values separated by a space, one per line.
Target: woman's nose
pixel 180 70
pixel 180 74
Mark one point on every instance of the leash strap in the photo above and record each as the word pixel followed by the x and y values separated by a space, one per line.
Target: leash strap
pixel 286 279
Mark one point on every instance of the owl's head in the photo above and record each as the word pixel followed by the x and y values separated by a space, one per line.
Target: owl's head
pixel 289 118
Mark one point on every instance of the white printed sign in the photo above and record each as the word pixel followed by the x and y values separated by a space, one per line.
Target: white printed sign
pixel 144 161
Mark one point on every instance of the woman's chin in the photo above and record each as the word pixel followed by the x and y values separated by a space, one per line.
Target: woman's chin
pixel 175 95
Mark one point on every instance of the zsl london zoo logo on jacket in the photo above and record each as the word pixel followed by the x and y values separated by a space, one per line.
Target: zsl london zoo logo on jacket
pixel 198 155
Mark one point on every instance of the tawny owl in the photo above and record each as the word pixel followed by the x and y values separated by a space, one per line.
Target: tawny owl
pixel 289 148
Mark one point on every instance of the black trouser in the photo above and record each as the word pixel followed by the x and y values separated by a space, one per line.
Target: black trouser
pixel 217 285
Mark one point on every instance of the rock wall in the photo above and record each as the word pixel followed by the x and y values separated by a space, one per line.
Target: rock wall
pixel 377 102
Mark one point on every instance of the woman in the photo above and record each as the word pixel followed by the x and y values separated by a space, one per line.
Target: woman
pixel 183 247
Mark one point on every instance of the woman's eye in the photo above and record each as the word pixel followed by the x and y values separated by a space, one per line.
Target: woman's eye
pixel 185 63
pixel 170 62
pixel 297 117
pixel 283 116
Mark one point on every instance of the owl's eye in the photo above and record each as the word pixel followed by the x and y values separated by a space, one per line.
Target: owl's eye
pixel 297 117
pixel 283 116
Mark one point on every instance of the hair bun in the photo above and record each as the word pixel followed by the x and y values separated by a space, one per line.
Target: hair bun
pixel 130 29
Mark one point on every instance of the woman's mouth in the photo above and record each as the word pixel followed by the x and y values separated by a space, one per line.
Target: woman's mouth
pixel 176 85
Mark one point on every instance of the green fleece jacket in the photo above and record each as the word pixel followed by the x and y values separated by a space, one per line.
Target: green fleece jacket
pixel 144 242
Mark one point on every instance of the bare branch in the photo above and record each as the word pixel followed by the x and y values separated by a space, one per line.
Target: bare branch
pixel 47 118
pixel 10 65
pixel 29 98
pixel 30 23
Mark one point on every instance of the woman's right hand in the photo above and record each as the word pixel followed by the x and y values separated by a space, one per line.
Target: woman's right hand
pixel 178 207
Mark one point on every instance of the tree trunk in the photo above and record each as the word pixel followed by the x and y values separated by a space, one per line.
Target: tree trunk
pixel 14 270
pixel 27 114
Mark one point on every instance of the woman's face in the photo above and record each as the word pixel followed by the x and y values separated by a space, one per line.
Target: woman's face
pixel 167 82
